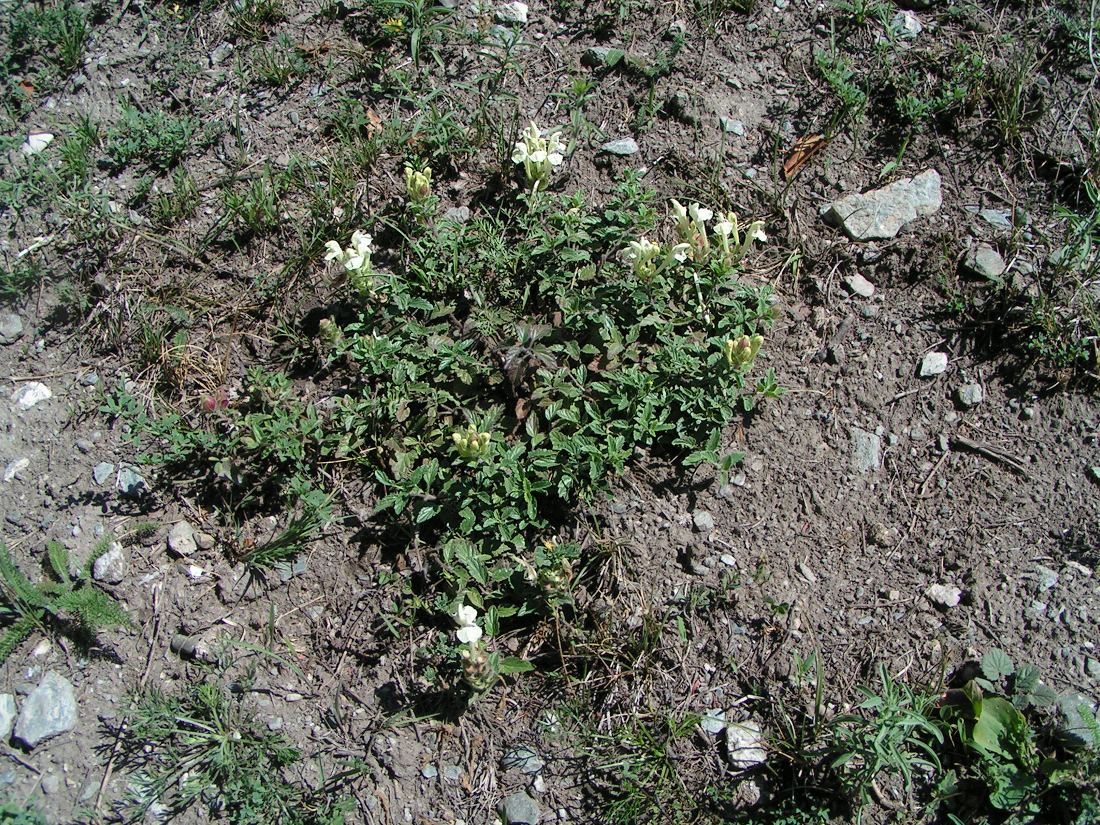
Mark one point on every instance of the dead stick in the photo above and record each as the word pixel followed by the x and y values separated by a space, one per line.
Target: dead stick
pixel 958 442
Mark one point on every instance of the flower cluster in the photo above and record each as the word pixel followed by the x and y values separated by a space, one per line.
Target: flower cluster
pixel 647 258
pixel 418 184
pixel 740 353
pixel 471 444
pixel 731 243
pixel 538 154
pixel 724 240
pixel 355 260
pixel 477 665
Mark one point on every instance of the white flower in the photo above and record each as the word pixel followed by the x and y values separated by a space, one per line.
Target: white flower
pixel 538 154
pixel 680 252
pixel 469 635
pixel 468 632
pixel 355 258
pixel 699 214
pixel 755 232
pixel 723 228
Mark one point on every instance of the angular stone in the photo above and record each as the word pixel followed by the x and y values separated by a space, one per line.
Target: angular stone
pixel 131 483
pixel 745 745
pixel 905 26
pixel 181 539
pixel 984 261
pixel 934 363
pixel 15 467
pixel 512 13
pixel 11 328
pixel 702 521
pixel 519 809
pixel 623 146
pixel 866 451
pixel 50 710
pixel 860 285
pixel 731 126
pixel 30 394
pixel 112 566
pixel 944 595
pixel 971 395
pixel 7 715
pixel 36 142
pixel 881 213
pixel 101 472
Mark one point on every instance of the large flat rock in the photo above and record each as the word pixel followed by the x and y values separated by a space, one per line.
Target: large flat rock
pixel 881 213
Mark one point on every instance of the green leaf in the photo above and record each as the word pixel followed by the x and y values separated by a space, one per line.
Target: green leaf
pixel 999 729
pixel 996 665
pixel 514 664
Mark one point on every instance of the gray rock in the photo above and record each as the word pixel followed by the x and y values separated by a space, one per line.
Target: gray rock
pixel 15 467
pixel 522 758
pixel 51 784
pixel 944 595
pixel 512 13
pixel 745 745
pixel 934 363
pixel 452 772
pixel 713 721
pixel 89 379
pixel 860 285
pixel 520 809
pixel 429 771
pixel 113 566
pixel 102 472
pixel 30 394
pixel 881 213
pixel 1047 578
pixel 287 570
pixel 702 521
pixel 50 710
pixel 11 328
pixel 204 541
pixel 731 126
pixel 623 146
pixel 984 261
pixel 84 445
pixel 971 395
pixel 1073 727
pixel 131 483
pixel 7 715
pixel 181 539
pixel 866 451
pixel 221 51
pixel 905 26
pixel 998 218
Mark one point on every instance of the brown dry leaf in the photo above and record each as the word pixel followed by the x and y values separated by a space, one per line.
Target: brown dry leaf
pixel 805 149
pixel 374 123
pixel 27 88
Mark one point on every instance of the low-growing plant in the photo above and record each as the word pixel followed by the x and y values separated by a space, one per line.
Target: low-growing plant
pixel 1005 761
pixel 203 747
pixel 898 737
pixel 62 603
pixel 156 138
pixel 279 64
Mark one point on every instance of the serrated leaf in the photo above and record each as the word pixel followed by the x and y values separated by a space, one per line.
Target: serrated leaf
pixel 996 665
